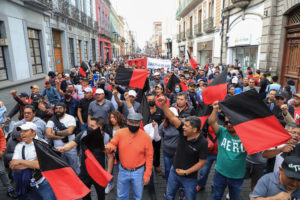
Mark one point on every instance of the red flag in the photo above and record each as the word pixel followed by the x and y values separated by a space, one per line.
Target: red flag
pixel 95 170
pixel 254 123
pixel 175 80
pixel 193 62
pixel 131 77
pixel 216 90
pixel 65 183
pixel 83 69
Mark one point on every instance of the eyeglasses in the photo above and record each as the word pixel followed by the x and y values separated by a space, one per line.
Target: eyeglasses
pixel 27 113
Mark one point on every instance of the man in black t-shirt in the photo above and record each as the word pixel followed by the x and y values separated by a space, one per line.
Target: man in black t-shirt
pixel 190 154
pixel 83 107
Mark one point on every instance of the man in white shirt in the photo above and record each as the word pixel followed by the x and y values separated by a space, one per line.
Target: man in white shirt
pixel 24 161
pixel 60 128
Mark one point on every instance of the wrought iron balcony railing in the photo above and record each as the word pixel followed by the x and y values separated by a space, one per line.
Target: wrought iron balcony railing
pixel 208 25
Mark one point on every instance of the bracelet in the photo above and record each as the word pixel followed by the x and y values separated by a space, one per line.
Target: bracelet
pixel 184 173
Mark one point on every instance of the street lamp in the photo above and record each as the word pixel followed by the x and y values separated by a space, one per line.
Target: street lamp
pixel 169 48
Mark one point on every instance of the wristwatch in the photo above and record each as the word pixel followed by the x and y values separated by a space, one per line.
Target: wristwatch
pixel 184 173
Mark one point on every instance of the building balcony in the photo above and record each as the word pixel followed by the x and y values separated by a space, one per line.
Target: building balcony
pixel 240 3
pixel 186 7
pixel 178 37
pixel 83 18
pixel 208 25
pixel 61 7
pixel 198 29
pixel 40 4
pixel 74 13
pixel 183 36
pixel 90 22
pixel 189 33
pixel 96 27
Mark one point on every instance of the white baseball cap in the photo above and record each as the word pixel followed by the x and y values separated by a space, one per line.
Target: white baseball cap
pixel 88 89
pixel 67 75
pixel 132 93
pixel 99 91
pixel 156 74
pixel 174 111
pixel 235 80
pixel 27 126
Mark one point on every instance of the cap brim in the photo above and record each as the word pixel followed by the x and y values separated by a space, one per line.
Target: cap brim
pixel 292 175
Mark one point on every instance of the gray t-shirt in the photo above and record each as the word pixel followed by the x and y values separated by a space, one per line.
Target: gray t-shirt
pixel 256 158
pixel 269 186
pixel 96 110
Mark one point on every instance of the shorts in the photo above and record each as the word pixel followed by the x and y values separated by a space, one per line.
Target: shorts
pixel 254 171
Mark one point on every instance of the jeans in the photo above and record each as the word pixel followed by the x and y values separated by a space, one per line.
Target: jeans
pixel 206 169
pixel 221 182
pixel 3 176
pixel 156 153
pixel 168 163
pixel 72 159
pixel 44 192
pixel 174 182
pixel 127 179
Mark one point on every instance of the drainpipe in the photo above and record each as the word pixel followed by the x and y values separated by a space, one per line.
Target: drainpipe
pixel 222 35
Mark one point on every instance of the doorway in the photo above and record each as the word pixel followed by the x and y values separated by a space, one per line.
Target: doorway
pixel 57 51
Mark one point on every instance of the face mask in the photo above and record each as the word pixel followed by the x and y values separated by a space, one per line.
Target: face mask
pixel 152 103
pixel 133 129
pixel 93 131
pixel 67 96
pixel 177 90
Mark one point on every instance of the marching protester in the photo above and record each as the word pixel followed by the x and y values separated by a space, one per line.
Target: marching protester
pixel 136 157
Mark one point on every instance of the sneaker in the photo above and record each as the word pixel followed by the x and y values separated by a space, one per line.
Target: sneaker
pixel 181 194
pixel 108 188
pixel 12 194
pixel 227 196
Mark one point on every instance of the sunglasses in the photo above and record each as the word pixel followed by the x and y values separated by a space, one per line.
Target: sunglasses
pixel 227 122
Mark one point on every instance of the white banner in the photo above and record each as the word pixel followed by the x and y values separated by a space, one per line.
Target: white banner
pixel 153 63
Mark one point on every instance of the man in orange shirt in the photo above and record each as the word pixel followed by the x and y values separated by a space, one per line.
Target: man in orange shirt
pixel 136 157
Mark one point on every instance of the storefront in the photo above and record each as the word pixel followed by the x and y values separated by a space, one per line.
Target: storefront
pixel 244 41
pixel 204 52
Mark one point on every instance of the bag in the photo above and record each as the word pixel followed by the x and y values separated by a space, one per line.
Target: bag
pixel 60 126
pixel 36 174
pixel 22 181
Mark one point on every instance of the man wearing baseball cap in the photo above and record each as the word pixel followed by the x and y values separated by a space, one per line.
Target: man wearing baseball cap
pixel 282 185
pixel 156 80
pixel 83 107
pixel 128 105
pixel 24 161
pixel 101 107
pixel 136 157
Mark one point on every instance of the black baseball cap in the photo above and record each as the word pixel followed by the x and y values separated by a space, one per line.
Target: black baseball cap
pixel 192 83
pixel 36 96
pixel 291 167
pixel 279 95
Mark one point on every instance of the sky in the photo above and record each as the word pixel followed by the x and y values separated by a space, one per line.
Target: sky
pixel 140 15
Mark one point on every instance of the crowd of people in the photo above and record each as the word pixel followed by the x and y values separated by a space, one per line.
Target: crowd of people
pixel 70 106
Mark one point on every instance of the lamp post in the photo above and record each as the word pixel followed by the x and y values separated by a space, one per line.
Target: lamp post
pixel 169 49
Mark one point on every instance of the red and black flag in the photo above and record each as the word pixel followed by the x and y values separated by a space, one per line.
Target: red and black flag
pixel 83 69
pixel 193 62
pixel 254 123
pixel 131 77
pixel 175 80
pixel 203 112
pixel 94 141
pixel 216 90
pixel 63 180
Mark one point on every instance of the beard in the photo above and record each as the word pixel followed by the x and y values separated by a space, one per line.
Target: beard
pixel 59 114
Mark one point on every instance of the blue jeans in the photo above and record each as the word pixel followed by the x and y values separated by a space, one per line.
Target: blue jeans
pixel 206 169
pixel 44 192
pixel 168 163
pixel 72 159
pixel 175 181
pixel 127 179
pixel 221 182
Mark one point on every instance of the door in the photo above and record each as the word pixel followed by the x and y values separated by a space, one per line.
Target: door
pixel 79 48
pixel 57 51
pixel 291 61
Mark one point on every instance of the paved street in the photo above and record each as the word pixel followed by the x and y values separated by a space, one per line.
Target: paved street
pixel 160 186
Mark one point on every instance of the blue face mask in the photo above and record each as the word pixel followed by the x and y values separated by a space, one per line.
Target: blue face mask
pixel 177 90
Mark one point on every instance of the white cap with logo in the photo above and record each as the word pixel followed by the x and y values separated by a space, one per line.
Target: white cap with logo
pixel 27 126
pixel 88 89
pixel 99 91
pixel 132 93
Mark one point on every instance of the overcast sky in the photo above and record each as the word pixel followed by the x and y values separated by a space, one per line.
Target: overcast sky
pixel 140 15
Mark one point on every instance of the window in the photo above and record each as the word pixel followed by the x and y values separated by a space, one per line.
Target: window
pixel 35 51
pixel 94 49
pixel 86 50
pixel 72 53
pixel 99 17
pixel 3 69
pixel 211 8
